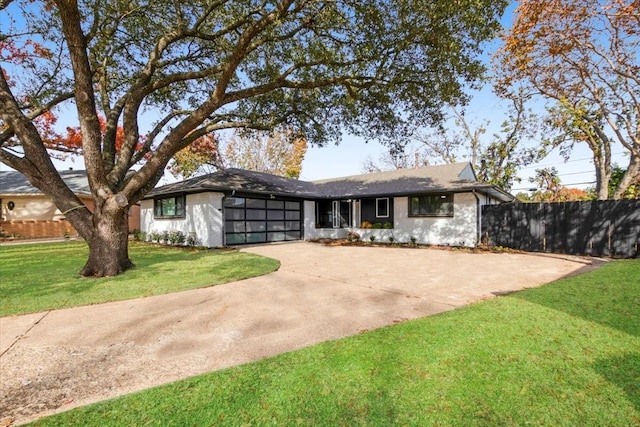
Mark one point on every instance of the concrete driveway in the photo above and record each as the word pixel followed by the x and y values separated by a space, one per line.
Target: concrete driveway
pixel 57 360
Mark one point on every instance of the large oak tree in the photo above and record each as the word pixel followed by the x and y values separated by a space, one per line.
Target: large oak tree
pixel 375 68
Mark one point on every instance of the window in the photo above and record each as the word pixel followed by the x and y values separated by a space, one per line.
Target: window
pixel 169 207
pixel 431 205
pixel 382 208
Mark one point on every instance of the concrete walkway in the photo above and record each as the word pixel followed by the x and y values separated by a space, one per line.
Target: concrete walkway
pixel 57 360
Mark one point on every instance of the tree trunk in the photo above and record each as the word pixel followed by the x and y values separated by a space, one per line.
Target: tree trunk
pixel 108 244
pixel 603 175
pixel 627 179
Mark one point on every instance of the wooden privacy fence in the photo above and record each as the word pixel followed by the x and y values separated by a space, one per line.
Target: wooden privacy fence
pixel 598 228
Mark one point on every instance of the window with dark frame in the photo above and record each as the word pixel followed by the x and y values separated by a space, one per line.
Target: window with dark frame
pixel 431 205
pixel 382 208
pixel 169 207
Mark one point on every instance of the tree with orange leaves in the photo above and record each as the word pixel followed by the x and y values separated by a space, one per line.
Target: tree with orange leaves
pixel 582 57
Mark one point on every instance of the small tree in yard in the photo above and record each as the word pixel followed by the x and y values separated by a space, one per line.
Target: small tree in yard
pixel 165 74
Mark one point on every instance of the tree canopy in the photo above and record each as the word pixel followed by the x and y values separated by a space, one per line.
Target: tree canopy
pixel 581 56
pixel 168 73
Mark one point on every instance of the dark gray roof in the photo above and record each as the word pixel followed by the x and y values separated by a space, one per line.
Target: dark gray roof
pixel 14 183
pixel 241 180
pixel 448 177
pixel 457 177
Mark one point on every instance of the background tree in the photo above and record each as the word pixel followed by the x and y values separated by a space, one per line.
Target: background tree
pixel 550 189
pixel 582 57
pixel 406 156
pixel 495 161
pixel 203 156
pixel 258 151
pixel 632 191
pixel 275 154
pixel 171 72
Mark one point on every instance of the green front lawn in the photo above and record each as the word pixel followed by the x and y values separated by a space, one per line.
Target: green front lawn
pixel 38 277
pixel 565 354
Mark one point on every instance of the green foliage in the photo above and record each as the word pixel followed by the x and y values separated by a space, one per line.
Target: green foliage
pixel 565 354
pixel 44 277
pixel 316 67
pixel 176 237
pixel 192 239
pixel 139 236
pixel 632 191
pixel 155 236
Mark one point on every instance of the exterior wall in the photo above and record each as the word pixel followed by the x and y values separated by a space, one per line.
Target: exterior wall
pixel 459 230
pixel 313 233
pixel 36 217
pixel 37 208
pixel 203 216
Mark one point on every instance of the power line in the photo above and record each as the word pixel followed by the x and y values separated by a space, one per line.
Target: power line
pixel 532 188
pixel 574 173
pixel 562 162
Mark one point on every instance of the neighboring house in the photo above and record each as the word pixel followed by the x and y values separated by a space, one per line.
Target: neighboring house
pixel 26 212
pixel 437 205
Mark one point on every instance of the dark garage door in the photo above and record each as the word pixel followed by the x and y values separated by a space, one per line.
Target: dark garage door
pixel 253 220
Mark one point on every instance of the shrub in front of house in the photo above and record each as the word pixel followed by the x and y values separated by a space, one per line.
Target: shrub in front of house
pixel 352 236
pixel 155 236
pixel 176 237
pixel 192 239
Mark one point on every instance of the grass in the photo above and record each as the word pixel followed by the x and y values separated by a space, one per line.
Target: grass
pixel 565 354
pixel 42 277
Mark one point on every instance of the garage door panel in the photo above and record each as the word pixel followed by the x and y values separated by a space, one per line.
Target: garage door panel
pixel 275 215
pixel 255 226
pixel 256 214
pixel 255 203
pixel 249 220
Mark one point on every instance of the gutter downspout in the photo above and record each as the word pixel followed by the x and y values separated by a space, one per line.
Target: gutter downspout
pixel 478 218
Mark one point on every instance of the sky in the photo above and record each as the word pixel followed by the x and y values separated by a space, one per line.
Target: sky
pixel 348 157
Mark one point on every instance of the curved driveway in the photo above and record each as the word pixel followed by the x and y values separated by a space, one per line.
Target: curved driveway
pixel 64 358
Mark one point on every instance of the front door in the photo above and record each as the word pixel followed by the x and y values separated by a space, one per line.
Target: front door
pixel 341 214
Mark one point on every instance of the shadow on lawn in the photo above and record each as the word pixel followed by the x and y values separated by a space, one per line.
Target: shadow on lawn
pixel 624 372
pixel 609 295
